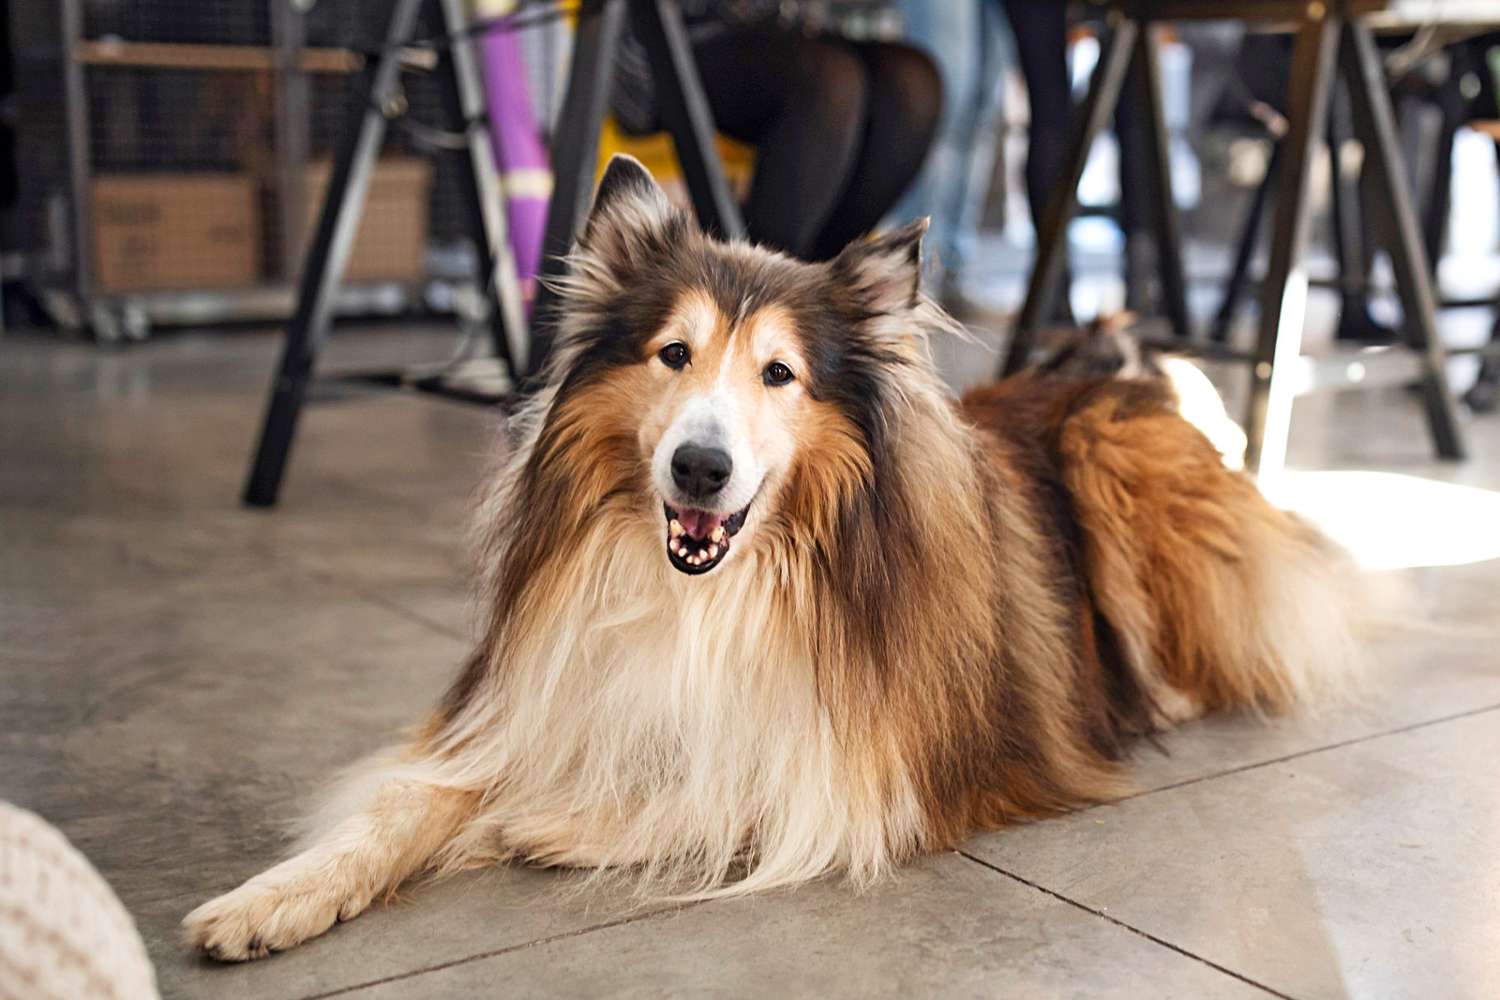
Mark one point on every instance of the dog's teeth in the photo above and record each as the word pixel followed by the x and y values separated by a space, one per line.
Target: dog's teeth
pixel 675 529
pixel 693 560
pixel 718 534
pixel 713 552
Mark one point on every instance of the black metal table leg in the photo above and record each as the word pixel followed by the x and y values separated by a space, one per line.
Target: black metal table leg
pixel 326 257
pixel 1062 203
pixel 1168 231
pixel 1374 125
pixel 1484 395
pixel 1344 229
pixel 1284 292
pixel 1350 227
pixel 1438 197
pixel 1239 272
pixel 684 111
pixel 575 150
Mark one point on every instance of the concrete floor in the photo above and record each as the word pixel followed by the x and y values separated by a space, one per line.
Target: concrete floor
pixel 177 674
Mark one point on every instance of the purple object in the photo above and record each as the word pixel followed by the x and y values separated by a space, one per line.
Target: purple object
pixel 520 157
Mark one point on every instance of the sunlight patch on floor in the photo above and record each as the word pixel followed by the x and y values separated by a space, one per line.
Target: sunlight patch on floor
pixel 1390 520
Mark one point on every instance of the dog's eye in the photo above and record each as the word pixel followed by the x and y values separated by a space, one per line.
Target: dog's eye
pixel 777 373
pixel 674 355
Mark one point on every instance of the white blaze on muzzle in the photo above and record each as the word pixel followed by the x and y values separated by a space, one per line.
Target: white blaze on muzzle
pixel 699 527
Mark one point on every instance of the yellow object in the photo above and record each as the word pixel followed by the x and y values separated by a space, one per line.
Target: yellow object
pixel 659 156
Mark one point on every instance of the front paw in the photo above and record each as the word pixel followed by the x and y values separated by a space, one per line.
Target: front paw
pixel 266 915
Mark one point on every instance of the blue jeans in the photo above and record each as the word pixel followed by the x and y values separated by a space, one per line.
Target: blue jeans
pixel 965 39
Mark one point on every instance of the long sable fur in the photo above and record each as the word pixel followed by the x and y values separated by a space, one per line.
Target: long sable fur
pixel 951 616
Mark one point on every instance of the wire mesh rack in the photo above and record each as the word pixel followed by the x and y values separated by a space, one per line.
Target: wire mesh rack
pixel 175 152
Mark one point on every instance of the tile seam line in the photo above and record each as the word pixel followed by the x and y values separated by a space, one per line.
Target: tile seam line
pixel 508 949
pixel 373 597
pixel 1178 949
pixel 1295 755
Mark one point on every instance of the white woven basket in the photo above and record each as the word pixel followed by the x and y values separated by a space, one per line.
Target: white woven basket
pixel 63 933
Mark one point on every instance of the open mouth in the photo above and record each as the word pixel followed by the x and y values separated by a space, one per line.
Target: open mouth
pixel 698 540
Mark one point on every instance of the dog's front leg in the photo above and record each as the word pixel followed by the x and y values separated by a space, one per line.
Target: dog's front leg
pixel 395 835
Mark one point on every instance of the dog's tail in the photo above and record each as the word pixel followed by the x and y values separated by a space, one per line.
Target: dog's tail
pixel 1219 598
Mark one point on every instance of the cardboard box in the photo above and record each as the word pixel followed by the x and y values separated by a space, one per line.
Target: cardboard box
pixel 391 244
pixel 174 231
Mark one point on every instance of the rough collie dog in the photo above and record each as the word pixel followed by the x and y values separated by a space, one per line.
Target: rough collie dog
pixel 764 602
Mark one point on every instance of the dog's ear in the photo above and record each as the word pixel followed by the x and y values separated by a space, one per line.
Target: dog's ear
pixel 885 271
pixel 628 205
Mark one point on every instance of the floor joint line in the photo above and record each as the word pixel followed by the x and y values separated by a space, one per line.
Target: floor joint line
pixel 494 953
pixel 1339 745
pixel 1129 927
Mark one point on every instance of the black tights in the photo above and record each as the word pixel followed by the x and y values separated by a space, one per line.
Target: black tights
pixel 1041 31
pixel 840 130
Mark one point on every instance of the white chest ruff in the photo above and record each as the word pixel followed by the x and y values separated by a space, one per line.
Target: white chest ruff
pixel 673 723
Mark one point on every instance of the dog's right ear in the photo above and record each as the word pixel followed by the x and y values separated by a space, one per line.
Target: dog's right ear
pixel 628 206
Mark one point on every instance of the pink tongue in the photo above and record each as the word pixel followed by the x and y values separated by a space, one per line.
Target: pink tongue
pixel 698 523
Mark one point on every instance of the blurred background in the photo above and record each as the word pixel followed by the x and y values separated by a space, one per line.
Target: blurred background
pixel 166 159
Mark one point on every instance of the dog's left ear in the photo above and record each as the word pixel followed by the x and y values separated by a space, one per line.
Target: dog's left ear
pixel 885 270
pixel 628 205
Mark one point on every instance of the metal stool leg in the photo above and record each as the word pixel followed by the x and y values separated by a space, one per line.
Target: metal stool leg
pixel 1239 273
pixel 575 150
pixel 684 110
pixel 1350 228
pixel 326 257
pixel 1052 231
pixel 1484 395
pixel 1168 231
pixel 1375 126
pixel 1284 293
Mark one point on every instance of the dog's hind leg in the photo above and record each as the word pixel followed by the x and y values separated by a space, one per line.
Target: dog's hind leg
pixel 399 824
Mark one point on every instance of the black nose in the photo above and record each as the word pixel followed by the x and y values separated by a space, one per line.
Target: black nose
pixel 700 472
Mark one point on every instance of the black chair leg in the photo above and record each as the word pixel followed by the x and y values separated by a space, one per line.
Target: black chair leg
pixel 1484 395
pixel 1284 292
pixel 1062 204
pixel 1374 124
pixel 575 150
pixel 685 113
pixel 1239 273
pixel 1167 229
pixel 326 256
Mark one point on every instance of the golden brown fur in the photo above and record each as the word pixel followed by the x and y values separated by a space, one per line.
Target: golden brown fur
pixel 936 618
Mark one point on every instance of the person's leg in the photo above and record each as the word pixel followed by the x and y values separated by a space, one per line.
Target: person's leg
pixel 1041 33
pixel 801 102
pixel 949 33
pixel 1131 137
pixel 904 98
pixel 978 174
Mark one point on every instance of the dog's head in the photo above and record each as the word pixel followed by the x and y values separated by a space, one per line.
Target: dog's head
pixel 711 392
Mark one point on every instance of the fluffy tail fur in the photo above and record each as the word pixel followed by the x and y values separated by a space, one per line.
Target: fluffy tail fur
pixel 1218 597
